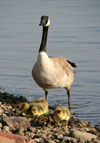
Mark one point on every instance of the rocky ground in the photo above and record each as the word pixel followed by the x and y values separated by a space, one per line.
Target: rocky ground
pixel 16 127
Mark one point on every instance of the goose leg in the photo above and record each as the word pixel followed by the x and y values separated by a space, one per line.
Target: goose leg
pixel 68 93
pixel 46 95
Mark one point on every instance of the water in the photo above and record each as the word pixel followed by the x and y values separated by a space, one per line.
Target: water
pixel 74 33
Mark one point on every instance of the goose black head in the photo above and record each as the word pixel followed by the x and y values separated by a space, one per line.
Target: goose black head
pixel 45 21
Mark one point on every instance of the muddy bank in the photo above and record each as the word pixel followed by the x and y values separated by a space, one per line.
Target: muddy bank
pixel 18 127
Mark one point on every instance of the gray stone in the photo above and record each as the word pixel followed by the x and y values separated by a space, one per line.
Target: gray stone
pixel 32 129
pixel 20 132
pixel 6 129
pixel 84 135
pixel 1 111
pixel 4 115
pixel 59 136
pixel 66 139
pixel 51 141
pixel 16 122
pixel 85 123
pixel 9 107
pixel 95 141
pixel 0 125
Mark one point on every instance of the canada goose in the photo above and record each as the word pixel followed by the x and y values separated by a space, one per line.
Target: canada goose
pixel 61 112
pixel 52 72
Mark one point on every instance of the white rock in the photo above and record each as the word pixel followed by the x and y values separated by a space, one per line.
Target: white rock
pixel 0 125
pixel 6 129
pixel 83 135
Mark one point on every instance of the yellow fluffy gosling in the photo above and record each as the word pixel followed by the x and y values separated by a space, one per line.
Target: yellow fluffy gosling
pixel 61 112
pixel 42 100
pixel 39 109
pixel 26 108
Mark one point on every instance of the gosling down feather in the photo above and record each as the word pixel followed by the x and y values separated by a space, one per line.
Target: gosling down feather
pixel 52 72
pixel 61 112
pixel 26 108
pixel 37 107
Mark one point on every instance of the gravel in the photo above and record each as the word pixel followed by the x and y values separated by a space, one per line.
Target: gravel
pixel 43 129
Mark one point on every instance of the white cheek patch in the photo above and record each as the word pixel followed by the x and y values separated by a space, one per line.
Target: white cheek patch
pixel 48 23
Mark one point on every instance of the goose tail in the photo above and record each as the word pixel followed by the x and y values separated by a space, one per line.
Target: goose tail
pixel 72 64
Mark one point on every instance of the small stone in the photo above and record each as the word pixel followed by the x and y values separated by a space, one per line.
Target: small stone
pixel 10 107
pixel 51 141
pixel 20 132
pixel 23 114
pixel 49 135
pixel 59 136
pixel 85 123
pixel 38 140
pixel 4 115
pixel 31 141
pixel 32 129
pixel 1 111
pixel 6 129
pixel 95 141
pixel 0 125
pixel 66 139
pixel 44 136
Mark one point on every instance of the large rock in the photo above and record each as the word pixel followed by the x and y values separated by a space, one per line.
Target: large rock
pixel 84 135
pixel 6 140
pixel 13 138
pixel 16 122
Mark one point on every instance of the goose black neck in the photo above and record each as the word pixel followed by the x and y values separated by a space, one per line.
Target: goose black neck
pixel 44 39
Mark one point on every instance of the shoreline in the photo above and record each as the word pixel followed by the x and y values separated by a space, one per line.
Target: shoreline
pixel 14 121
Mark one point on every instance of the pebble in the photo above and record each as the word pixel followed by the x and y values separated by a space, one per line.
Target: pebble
pixel 0 125
pixel 6 129
pixel 1 111
pixel 32 129
pixel 20 132
pixel 51 141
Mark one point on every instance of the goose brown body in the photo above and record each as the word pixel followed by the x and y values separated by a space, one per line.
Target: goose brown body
pixel 51 72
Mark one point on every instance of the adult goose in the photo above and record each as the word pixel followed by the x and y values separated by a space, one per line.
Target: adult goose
pixel 52 72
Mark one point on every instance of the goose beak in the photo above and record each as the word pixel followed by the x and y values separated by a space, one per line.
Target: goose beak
pixel 41 23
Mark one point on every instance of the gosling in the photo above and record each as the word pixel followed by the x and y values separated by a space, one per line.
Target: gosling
pixel 39 109
pixel 42 100
pixel 26 108
pixel 61 113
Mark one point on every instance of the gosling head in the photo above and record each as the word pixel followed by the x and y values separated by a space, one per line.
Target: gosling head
pixel 45 21
pixel 25 106
pixel 34 111
pixel 58 112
